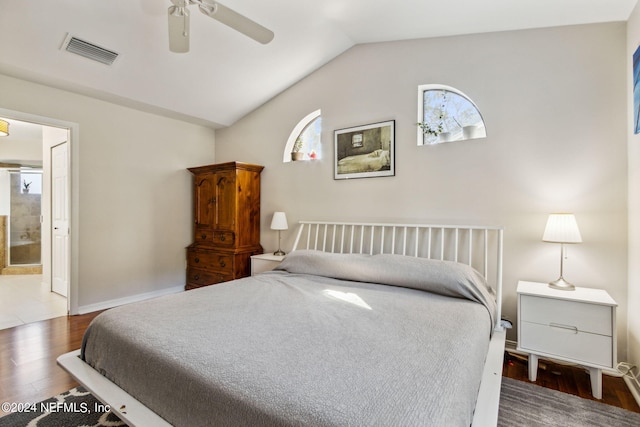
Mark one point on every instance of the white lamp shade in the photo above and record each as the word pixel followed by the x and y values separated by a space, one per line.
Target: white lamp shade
pixel 562 228
pixel 279 221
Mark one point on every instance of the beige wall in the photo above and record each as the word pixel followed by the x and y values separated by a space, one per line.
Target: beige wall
pixel 131 194
pixel 633 41
pixel 554 104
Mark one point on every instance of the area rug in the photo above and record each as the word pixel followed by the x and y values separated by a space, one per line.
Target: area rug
pixel 524 404
pixel 74 408
pixel 521 405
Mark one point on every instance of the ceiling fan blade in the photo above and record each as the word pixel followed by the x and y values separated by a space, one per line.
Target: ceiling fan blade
pixel 179 28
pixel 236 21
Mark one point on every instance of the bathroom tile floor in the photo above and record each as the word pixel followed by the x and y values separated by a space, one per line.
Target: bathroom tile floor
pixel 24 299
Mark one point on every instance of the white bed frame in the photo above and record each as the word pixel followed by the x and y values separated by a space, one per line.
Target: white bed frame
pixel 478 246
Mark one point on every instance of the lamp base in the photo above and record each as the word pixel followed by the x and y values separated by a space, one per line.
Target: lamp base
pixel 562 285
pixel 279 252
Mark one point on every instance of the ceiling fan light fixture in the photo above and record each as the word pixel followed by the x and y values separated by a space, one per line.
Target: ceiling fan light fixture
pixel 180 11
pixel 4 128
pixel 179 29
pixel 178 15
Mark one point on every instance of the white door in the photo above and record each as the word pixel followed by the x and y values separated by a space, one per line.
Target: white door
pixel 60 219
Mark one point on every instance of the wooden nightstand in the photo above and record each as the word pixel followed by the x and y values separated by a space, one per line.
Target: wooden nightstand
pixel 574 326
pixel 264 262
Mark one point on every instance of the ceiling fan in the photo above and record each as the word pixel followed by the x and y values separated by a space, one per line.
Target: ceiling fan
pixel 179 23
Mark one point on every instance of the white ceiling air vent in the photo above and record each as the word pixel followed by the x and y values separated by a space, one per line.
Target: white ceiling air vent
pixel 89 50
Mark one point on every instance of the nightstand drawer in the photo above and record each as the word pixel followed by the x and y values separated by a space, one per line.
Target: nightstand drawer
pixel 593 318
pixel 566 343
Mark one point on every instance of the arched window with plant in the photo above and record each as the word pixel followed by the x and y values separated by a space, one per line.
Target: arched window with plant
pixel 304 141
pixel 446 114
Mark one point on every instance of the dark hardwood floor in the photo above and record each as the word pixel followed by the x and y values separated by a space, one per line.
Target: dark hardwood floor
pixel 570 379
pixel 28 353
pixel 29 373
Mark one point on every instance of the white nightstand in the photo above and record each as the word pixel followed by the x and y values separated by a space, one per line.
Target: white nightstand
pixel 574 326
pixel 264 262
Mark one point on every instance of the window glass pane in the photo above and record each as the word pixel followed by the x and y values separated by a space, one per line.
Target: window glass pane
pixel 304 141
pixel 31 183
pixel 449 116
pixel 310 138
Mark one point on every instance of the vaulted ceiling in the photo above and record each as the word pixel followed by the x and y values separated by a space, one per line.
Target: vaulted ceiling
pixel 225 75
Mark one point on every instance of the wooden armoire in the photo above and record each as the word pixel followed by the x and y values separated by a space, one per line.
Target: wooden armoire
pixel 226 223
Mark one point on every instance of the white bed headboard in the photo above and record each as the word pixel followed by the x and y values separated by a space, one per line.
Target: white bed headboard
pixel 478 246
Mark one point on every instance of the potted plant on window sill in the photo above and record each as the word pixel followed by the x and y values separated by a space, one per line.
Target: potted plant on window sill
pixel 296 154
pixel 431 130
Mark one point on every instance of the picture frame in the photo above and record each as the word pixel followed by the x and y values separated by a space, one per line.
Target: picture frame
pixel 365 151
pixel 636 91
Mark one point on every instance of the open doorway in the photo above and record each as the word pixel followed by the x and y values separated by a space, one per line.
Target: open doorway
pixel 34 198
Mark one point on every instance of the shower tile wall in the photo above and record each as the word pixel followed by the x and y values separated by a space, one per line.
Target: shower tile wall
pixel 25 230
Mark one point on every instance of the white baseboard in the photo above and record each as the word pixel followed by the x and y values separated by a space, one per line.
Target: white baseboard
pixel 90 308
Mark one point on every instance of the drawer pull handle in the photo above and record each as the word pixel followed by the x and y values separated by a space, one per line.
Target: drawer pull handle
pixel 196 260
pixel 196 277
pixel 222 238
pixel 204 236
pixel 223 264
pixel 573 329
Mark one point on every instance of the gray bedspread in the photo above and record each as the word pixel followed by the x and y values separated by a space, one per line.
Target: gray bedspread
pixel 312 344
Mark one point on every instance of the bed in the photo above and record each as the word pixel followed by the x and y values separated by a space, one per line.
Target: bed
pixel 354 327
pixel 371 162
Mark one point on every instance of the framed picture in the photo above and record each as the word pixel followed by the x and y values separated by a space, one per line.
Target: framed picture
pixel 636 91
pixel 365 151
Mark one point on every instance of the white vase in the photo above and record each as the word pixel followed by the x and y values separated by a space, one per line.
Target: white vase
pixel 470 132
pixel 444 137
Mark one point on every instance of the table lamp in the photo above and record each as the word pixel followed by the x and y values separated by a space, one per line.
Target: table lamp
pixel 279 222
pixel 562 228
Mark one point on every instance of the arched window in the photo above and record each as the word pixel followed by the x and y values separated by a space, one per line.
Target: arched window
pixel 446 114
pixel 305 139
